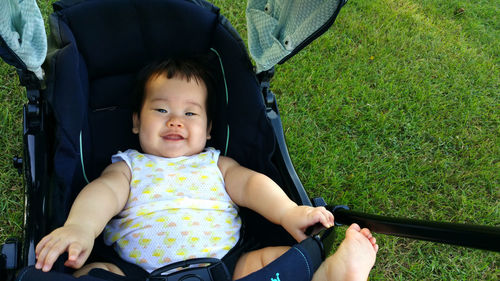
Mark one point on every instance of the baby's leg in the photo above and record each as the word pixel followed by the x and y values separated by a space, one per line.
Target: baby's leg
pixel 255 260
pixel 102 265
pixel 354 258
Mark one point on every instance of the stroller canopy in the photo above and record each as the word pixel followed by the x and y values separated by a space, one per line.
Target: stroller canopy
pixel 277 30
pixel 23 42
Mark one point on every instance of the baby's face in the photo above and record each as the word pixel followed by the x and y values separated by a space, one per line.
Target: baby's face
pixel 173 118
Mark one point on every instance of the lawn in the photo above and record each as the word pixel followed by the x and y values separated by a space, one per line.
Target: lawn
pixel 394 111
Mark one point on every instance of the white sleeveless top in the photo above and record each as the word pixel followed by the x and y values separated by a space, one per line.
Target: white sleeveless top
pixel 178 209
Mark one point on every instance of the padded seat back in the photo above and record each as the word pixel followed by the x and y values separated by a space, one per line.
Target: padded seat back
pixel 98 46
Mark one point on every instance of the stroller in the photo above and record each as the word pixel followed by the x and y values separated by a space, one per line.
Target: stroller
pixel 78 115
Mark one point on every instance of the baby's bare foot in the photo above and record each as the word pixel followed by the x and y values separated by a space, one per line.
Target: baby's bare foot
pixel 354 258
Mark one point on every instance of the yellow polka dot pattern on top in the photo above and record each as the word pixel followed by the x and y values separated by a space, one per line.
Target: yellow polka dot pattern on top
pixel 178 209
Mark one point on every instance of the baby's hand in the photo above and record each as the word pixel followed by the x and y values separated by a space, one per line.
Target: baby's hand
pixel 74 239
pixel 297 219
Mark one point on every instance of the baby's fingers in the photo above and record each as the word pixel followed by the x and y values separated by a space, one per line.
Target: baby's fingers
pixel 329 217
pixel 49 253
pixel 76 256
pixel 41 245
pixel 324 216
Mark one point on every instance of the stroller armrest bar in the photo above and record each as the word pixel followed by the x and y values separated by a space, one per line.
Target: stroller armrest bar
pixel 474 236
pixel 292 184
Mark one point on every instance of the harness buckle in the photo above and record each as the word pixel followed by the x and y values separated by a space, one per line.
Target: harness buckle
pixel 192 270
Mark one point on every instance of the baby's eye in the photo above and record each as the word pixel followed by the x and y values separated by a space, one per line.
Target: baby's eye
pixel 190 114
pixel 161 110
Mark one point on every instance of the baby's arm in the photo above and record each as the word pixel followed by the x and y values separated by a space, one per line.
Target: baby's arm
pixel 258 192
pixel 96 204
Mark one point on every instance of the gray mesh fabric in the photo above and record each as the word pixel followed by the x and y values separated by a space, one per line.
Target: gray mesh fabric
pixel 22 28
pixel 277 27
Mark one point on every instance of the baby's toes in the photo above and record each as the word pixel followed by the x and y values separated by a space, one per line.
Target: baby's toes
pixel 354 227
pixel 367 233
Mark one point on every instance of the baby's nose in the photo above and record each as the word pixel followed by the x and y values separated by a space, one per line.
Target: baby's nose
pixel 174 122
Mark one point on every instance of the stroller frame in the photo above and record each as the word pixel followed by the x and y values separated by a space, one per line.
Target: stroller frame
pixel 36 163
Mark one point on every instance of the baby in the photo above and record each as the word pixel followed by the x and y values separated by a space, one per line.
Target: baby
pixel 177 199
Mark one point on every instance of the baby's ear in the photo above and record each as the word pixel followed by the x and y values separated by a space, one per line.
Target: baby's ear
pixel 209 129
pixel 135 123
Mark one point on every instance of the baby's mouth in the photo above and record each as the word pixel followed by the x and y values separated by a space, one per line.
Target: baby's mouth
pixel 173 137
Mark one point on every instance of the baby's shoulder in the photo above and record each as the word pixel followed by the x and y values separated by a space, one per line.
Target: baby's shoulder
pixel 225 163
pixel 118 168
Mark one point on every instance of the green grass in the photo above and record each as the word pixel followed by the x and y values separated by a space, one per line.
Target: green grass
pixel 394 111
pixel 11 184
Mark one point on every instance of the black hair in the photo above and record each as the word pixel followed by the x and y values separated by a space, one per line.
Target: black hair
pixel 186 68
